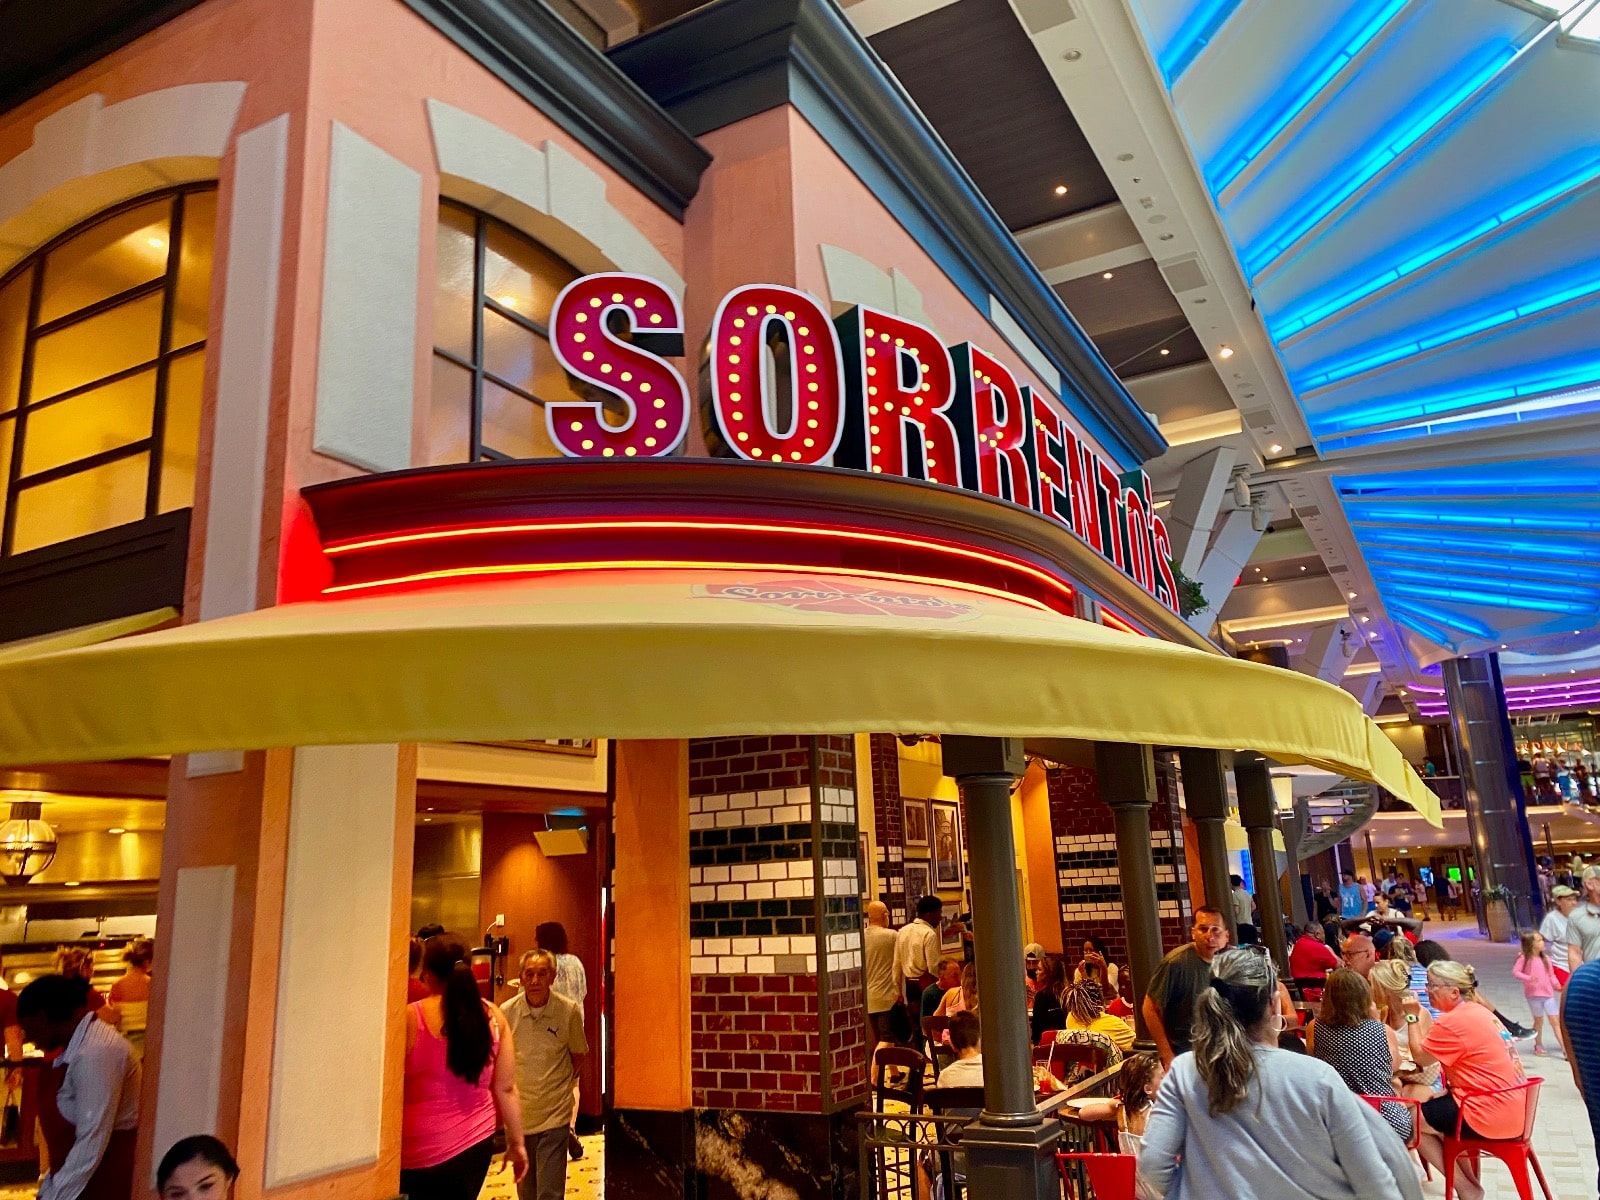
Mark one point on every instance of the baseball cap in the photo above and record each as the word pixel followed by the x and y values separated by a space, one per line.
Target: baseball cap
pixel 1033 950
pixel 1592 871
pixel 1561 890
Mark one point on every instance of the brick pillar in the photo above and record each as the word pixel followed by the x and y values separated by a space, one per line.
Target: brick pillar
pixel 1167 845
pixel 779 1059
pixel 1086 862
pixel 889 816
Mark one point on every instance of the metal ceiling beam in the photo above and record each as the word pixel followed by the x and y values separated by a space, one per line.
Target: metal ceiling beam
pixel 1194 510
pixel 1229 552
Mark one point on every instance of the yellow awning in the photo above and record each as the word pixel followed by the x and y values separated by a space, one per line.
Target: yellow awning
pixel 647 654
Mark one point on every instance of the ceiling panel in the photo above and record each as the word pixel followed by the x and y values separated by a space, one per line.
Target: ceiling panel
pixel 978 79
pixel 1412 194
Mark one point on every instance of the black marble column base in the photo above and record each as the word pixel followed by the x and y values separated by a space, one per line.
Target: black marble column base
pixel 729 1154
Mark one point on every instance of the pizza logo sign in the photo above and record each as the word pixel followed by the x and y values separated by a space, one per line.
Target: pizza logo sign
pixel 866 390
pixel 849 599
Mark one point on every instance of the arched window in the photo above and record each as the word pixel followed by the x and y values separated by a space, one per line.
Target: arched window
pixel 493 369
pixel 102 358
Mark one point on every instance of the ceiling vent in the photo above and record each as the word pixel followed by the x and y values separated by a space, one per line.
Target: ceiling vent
pixel 1184 274
pixel 1309 511
pixel 1040 15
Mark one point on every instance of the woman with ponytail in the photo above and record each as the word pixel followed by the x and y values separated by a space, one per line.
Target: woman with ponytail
pixel 459 1086
pixel 1238 1117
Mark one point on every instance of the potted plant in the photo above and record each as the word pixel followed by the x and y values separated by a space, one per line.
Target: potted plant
pixel 1497 911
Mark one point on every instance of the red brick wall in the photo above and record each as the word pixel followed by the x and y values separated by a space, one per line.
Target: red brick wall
pixel 1086 862
pixel 774 907
pixel 756 1042
pixel 889 818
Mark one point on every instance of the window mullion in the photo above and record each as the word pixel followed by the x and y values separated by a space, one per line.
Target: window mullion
pixel 20 432
pixel 480 245
pixel 169 303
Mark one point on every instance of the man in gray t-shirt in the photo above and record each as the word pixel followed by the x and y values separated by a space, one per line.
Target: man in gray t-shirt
pixel 1583 922
pixel 547 1035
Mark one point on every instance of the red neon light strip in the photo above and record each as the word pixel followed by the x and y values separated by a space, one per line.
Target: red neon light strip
pixel 1110 618
pixel 1064 589
pixel 689 565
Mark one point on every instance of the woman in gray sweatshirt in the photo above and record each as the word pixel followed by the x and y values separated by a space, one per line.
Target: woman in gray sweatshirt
pixel 1240 1118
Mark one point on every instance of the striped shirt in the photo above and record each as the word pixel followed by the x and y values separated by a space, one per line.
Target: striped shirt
pixel 99 1095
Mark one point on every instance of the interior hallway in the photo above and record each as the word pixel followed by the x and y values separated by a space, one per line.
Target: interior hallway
pixel 1562 1137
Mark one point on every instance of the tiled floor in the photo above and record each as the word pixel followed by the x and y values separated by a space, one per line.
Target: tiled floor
pixel 1562 1138
pixel 585 1178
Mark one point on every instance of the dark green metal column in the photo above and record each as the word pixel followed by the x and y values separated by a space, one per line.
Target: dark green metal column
pixel 1126 775
pixel 1205 797
pixel 1010 1148
pixel 1258 813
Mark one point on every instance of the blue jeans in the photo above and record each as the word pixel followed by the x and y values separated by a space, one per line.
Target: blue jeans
pixel 547 1165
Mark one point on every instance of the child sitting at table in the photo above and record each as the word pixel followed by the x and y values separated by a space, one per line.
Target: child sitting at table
pixel 1140 1080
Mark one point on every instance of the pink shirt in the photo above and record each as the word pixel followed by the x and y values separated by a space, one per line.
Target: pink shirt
pixel 1538 977
pixel 444 1114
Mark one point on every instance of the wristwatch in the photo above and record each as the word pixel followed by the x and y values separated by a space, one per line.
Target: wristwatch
pixel 1412 1018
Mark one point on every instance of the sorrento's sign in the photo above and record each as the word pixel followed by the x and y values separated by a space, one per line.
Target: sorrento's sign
pixel 866 390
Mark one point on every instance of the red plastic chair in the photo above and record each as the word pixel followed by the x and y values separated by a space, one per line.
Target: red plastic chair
pixel 1111 1176
pixel 1515 1152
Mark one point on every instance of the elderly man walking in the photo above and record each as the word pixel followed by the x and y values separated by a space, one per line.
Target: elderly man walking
pixel 547 1033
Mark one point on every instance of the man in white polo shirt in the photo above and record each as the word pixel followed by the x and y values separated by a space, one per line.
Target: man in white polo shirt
pixel 547 1032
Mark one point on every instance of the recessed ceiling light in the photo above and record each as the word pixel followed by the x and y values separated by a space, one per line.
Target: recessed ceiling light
pixel 1364 620
pixel 72 883
pixel 1225 352
pixel 118 829
pixel 1352 595
pixel 1061 189
pixel 1165 352
pixel 1274 449
pixel 156 243
pixel 1106 275
pixel 1302 566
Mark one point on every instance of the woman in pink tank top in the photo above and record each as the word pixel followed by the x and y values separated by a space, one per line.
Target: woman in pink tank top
pixel 459 1088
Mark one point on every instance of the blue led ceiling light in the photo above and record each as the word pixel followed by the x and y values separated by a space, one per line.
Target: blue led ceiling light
pixel 1575 372
pixel 1411 611
pixel 1276 113
pixel 1406 131
pixel 1198 28
pixel 1573 177
pixel 1454 327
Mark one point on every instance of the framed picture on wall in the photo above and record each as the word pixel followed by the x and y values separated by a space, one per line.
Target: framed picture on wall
pixel 950 929
pixel 944 828
pixel 916 822
pixel 918 885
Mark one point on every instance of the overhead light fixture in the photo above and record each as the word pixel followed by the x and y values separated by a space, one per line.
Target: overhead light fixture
pixel 1225 352
pixel 1061 189
pixel 1364 620
pixel 1275 448
pixel 118 829
pixel 27 843
pixel 1106 274
pixel 1352 595
pixel 156 243
pixel 1165 352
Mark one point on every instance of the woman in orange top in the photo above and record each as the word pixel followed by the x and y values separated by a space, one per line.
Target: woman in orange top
pixel 1465 1040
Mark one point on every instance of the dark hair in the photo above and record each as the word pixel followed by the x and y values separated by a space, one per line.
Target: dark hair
pixel 551 936
pixel 1099 944
pixel 413 955
pixel 1084 1001
pixel 1345 999
pixel 929 905
pixel 1203 909
pixel 140 952
pixel 1430 952
pixel 966 1031
pixel 1249 935
pixel 466 1022
pixel 201 1147
pixel 1311 929
pixel 54 997
pixel 428 931
pixel 1236 880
